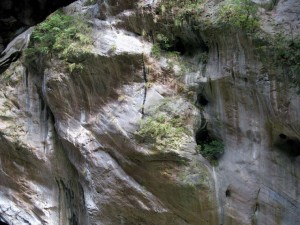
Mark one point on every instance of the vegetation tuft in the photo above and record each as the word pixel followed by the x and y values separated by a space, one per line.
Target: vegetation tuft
pixel 181 10
pixel 212 150
pixel 239 14
pixel 283 52
pixel 63 36
pixel 164 132
pixel 287 52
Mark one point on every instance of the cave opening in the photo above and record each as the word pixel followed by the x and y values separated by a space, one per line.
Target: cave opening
pixel 227 193
pixel 288 145
pixel 203 137
pixel 282 136
pixel 201 100
pixel 179 46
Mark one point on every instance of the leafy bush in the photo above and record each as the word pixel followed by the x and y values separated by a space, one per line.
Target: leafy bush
pixel 156 51
pixel 239 14
pixel 287 52
pixel 66 37
pixel 280 52
pixel 212 150
pixel 165 132
pixel 90 2
pixel 165 43
pixel 182 9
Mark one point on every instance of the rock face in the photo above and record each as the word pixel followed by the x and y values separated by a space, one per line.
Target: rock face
pixel 115 142
pixel 15 18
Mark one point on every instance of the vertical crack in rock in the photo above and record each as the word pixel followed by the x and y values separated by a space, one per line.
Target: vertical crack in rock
pixel 255 209
pixel 72 203
pixel 145 86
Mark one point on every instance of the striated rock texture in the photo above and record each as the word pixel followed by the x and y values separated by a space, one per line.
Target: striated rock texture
pixel 113 139
pixel 16 16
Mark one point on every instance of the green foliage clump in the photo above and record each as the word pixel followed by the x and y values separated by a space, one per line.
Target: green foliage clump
pixel 239 14
pixel 182 9
pixel 156 51
pixel 164 42
pixel 60 35
pixel 165 132
pixel 212 150
pixel 90 2
pixel 280 53
pixel 287 52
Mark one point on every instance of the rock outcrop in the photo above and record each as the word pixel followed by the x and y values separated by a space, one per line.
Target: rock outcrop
pixel 15 18
pixel 119 137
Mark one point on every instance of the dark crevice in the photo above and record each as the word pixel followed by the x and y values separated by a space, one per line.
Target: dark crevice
pixel 203 136
pixel 282 136
pixel 233 75
pixel 201 100
pixel 68 198
pixel 150 34
pixel 227 193
pixel 145 86
pixel 288 145
pixel 26 77
pixel 6 63
pixel 255 209
pixel 218 53
pixel 210 85
pixel 192 49
pixel 179 46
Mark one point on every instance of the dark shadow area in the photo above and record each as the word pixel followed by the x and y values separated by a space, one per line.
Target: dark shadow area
pixel 179 46
pixel 227 193
pixel 288 145
pixel 196 48
pixel 201 100
pixel 282 136
pixel 203 137
pixel 3 221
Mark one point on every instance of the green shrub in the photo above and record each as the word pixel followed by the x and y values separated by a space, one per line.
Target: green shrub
pixel 239 14
pixel 66 37
pixel 212 150
pixel 280 53
pixel 182 9
pixel 156 51
pixel 163 131
pixel 287 52
pixel 165 43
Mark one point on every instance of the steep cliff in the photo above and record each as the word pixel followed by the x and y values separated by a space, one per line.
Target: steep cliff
pixel 154 112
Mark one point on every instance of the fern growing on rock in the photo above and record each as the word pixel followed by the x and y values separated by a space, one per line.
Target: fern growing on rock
pixel 61 36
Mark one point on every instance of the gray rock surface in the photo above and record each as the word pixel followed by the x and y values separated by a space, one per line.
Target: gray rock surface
pixel 71 151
